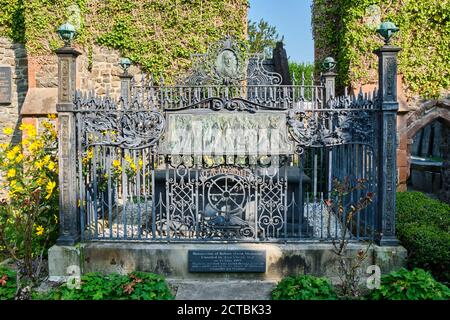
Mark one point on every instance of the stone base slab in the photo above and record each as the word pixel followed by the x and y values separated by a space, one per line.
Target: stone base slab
pixel 171 259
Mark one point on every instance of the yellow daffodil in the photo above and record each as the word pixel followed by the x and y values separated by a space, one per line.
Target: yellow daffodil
pixel 39 230
pixel 29 129
pixel 19 158
pixel 25 142
pixel 10 155
pixel 51 116
pixel 49 188
pixel 51 165
pixel 128 159
pixel 47 159
pixel 8 131
pixel 39 164
pixel 116 163
pixel 11 173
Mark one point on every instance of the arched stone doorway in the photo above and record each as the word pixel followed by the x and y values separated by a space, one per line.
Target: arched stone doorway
pixel 414 122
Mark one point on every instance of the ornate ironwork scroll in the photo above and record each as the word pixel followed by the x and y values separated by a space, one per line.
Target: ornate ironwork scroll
pixel 103 122
pixel 226 63
pixel 346 121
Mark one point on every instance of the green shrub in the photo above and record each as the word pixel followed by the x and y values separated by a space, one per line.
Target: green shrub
pixel 304 288
pixel 416 207
pixel 7 284
pixel 95 286
pixel 423 226
pixel 410 285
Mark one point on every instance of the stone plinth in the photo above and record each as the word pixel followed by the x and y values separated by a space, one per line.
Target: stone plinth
pixel 171 259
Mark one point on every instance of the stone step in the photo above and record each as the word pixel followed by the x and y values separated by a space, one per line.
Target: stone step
pixel 222 290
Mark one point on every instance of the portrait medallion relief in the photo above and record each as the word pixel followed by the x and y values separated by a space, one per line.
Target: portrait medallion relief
pixel 227 65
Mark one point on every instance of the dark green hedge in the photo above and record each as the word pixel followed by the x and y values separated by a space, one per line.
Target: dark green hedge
pixel 423 227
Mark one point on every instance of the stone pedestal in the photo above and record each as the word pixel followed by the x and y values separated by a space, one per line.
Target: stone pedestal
pixel 171 259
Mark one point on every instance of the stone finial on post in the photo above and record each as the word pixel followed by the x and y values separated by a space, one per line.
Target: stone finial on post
pixel 125 80
pixel 68 207
pixel 387 137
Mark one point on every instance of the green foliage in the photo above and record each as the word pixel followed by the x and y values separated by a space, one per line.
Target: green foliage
pixel 300 69
pixel 158 35
pixel 12 19
pixel 95 286
pixel 28 214
pixel 424 36
pixel 304 288
pixel 410 285
pixel 423 227
pixel 262 37
pixel 7 284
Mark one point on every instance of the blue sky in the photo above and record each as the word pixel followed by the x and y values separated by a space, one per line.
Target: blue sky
pixel 292 18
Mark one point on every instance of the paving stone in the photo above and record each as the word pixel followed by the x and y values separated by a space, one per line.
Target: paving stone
pixel 223 290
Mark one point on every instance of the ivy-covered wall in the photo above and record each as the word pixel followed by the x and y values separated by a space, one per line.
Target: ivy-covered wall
pixel 158 35
pixel 345 29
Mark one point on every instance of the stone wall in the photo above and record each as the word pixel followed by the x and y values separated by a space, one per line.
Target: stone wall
pixel 98 70
pixel 13 55
pixel 34 81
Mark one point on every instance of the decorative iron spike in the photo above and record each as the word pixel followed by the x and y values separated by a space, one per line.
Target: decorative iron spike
pixel 360 94
pixel 151 80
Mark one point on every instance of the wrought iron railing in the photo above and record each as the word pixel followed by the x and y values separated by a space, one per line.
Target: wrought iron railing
pixel 128 190
pixel 263 169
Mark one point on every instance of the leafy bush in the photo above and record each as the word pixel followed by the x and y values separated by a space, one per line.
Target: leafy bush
pixel 7 284
pixel 416 207
pixel 95 286
pixel 410 285
pixel 304 288
pixel 423 226
pixel 28 215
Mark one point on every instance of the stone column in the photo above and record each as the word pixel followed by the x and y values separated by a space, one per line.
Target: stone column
pixel 329 80
pixel 125 87
pixel 387 145
pixel 69 233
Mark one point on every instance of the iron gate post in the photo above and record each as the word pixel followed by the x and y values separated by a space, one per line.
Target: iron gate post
pixel 69 231
pixel 387 145
pixel 125 82
pixel 329 79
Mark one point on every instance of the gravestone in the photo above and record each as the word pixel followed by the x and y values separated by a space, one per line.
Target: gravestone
pixel 5 85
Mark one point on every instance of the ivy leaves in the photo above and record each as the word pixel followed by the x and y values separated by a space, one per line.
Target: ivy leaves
pixel 159 35
pixel 424 36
